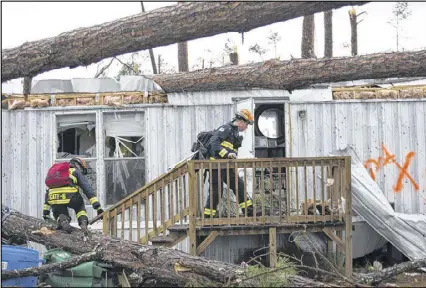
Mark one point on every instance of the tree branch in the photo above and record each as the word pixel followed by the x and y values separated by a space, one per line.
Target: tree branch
pixel 104 68
pixel 127 65
pixel 35 271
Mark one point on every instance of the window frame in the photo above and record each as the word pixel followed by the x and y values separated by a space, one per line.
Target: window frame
pixel 109 159
pixel 100 146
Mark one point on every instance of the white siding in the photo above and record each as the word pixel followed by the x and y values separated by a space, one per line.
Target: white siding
pixel 366 125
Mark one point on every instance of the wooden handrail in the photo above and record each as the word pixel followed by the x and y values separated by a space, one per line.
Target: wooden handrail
pixel 296 185
pixel 140 190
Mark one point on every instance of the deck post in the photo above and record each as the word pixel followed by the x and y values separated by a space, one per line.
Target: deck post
pixel 348 218
pixel 192 232
pixel 273 247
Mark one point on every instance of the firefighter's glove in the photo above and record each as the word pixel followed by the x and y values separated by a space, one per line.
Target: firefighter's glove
pixel 96 205
pixel 100 211
pixel 238 142
pixel 46 215
pixel 232 156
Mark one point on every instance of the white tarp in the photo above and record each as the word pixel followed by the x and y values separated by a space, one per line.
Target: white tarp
pixel 407 232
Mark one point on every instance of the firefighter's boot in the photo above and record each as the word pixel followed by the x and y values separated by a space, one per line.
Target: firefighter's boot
pixel 64 223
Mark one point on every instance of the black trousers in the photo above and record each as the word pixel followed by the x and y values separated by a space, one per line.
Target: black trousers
pixel 224 180
pixel 76 203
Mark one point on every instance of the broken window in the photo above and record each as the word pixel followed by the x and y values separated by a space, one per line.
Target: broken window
pixel 76 136
pixel 124 154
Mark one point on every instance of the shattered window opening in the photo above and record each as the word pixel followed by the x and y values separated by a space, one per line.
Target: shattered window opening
pixel 76 136
pixel 124 154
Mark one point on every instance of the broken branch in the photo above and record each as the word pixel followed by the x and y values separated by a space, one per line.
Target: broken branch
pixel 35 271
pixel 377 277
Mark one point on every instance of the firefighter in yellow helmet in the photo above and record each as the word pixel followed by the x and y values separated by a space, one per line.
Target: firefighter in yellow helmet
pixel 224 144
pixel 63 181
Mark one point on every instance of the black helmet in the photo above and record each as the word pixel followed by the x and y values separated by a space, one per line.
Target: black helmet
pixel 80 164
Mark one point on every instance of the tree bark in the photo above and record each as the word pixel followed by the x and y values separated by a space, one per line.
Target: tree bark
pixel 300 281
pixel 233 57
pixel 27 85
pixel 151 51
pixel 160 27
pixel 377 277
pixel 297 73
pixel 44 269
pixel 308 37
pixel 183 56
pixel 166 266
pixel 354 32
pixel 328 34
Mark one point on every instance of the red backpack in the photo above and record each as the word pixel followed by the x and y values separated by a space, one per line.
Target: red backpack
pixel 58 175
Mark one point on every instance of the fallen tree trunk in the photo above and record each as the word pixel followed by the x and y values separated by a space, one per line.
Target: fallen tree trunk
pixel 165 266
pixel 300 281
pixel 377 277
pixel 160 27
pixel 44 269
pixel 298 73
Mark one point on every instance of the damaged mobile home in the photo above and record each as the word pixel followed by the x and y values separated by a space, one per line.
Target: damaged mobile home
pixel 131 133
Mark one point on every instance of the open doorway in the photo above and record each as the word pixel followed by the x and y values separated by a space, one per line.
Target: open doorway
pixel 269 130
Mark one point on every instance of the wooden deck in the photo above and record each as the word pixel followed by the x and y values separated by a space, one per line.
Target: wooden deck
pixel 290 194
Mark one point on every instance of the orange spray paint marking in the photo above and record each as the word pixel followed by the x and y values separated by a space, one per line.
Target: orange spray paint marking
pixel 389 157
pixel 376 163
pixel 373 165
pixel 404 173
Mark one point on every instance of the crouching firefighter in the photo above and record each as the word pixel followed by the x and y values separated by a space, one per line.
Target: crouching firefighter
pixel 63 181
pixel 224 144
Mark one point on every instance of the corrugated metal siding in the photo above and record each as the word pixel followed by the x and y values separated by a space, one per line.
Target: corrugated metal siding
pixel 26 138
pixel 226 97
pixel 172 130
pixel 366 125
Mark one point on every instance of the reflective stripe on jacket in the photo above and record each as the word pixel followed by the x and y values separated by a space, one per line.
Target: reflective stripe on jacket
pixel 223 141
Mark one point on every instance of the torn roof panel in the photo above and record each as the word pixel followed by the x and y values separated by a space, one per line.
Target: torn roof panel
pixel 94 85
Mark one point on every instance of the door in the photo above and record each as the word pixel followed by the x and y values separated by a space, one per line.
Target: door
pixel 247 148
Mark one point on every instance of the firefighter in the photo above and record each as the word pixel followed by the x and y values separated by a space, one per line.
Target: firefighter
pixel 63 181
pixel 224 144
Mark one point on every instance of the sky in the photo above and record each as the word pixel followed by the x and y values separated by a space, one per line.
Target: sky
pixel 30 21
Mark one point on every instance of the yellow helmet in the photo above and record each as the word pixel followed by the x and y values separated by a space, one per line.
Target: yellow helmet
pixel 245 115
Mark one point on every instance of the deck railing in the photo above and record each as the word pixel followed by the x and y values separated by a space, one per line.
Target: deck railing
pixel 283 190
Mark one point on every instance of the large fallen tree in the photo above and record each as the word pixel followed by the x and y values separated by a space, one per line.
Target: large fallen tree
pixel 160 27
pixel 166 266
pixel 297 73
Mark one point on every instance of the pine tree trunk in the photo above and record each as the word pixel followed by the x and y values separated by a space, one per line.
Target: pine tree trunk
pixel 354 32
pixel 233 57
pixel 297 73
pixel 27 85
pixel 151 51
pixel 328 34
pixel 167 266
pixel 308 37
pixel 160 27
pixel 183 56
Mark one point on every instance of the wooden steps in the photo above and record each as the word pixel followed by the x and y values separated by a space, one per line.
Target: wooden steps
pixel 170 240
